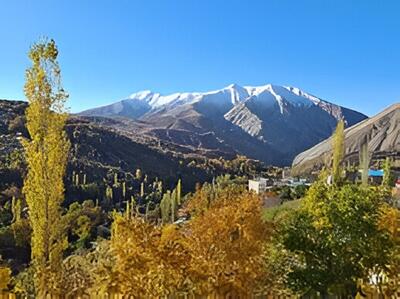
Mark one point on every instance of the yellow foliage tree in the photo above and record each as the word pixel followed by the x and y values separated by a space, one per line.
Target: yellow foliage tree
pixel 226 243
pixel 205 196
pixel 150 260
pixel 5 278
pixel 179 191
pixel 46 156
pixel 338 152
pixel 77 276
pixel 220 251
pixel 102 271
pixel 390 221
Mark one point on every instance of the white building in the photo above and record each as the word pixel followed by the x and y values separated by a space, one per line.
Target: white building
pixel 258 185
pixel 286 172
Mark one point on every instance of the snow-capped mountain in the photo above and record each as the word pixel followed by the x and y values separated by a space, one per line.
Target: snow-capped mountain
pixel 270 122
pixel 137 104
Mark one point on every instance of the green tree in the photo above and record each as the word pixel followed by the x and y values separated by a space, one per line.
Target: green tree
pixel 286 193
pixel 80 222
pixel 46 155
pixel 387 173
pixel 336 238
pixel 300 191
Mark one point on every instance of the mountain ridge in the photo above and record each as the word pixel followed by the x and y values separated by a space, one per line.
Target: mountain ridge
pixel 271 123
pixel 238 94
pixel 382 132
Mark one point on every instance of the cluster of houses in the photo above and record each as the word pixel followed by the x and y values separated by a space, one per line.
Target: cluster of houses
pixel 261 185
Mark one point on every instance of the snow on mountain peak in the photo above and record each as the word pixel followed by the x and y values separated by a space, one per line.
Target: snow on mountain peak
pixel 256 90
pixel 233 86
pixel 238 93
pixel 233 93
pixel 301 93
pixel 141 95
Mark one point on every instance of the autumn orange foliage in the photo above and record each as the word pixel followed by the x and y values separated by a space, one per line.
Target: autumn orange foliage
pixel 226 242
pixel 390 221
pixel 150 260
pixel 220 250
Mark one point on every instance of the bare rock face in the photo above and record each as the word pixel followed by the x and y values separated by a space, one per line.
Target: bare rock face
pixel 382 132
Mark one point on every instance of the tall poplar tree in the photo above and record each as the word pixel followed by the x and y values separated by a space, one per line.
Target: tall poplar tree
pixel 338 152
pixel 165 206
pixel 46 155
pixel 364 160
pixel 179 191
pixel 387 175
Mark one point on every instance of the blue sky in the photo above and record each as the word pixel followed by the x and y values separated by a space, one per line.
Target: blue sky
pixel 347 52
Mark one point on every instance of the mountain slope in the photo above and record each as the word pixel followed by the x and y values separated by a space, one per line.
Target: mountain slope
pixel 270 123
pixel 382 131
pixel 98 150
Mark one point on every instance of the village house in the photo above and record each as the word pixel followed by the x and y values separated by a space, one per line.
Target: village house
pixel 260 185
pixel 292 182
pixel 375 176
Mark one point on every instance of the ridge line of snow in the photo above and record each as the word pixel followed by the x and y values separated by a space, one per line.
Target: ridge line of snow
pixel 278 98
pixel 237 94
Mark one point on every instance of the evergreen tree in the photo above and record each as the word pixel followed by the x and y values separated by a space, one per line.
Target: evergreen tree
pixel 46 156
